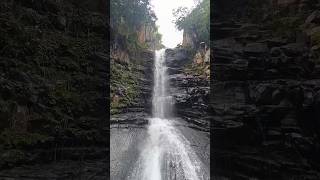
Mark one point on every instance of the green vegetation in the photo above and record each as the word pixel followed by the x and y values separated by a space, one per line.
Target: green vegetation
pixel 133 31
pixel 196 70
pixel 124 86
pixel 128 17
pixel 197 20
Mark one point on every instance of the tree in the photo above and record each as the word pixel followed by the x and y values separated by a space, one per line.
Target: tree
pixel 128 16
pixel 197 20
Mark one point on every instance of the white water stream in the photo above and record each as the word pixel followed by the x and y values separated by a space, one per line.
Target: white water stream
pixel 167 154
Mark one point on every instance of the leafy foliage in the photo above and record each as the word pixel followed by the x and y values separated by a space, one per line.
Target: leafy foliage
pixel 129 16
pixel 197 20
pixel 123 80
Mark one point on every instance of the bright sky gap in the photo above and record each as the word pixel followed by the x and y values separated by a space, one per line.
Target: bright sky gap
pixel 171 36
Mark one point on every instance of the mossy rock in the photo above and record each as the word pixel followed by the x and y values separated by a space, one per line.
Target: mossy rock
pixel 124 85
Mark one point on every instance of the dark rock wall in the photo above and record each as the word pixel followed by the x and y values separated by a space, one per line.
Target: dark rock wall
pixel 53 81
pixel 190 91
pixel 265 90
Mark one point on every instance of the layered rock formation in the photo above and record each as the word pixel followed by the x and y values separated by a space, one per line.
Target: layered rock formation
pixel 53 93
pixel 264 98
pixel 131 88
pixel 132 69
pixel 190 90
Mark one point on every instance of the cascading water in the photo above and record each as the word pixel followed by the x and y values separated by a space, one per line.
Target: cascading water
pixel 167 154
pixel 161 101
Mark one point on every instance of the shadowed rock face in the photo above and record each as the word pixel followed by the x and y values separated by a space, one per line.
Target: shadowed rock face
pixel 53 95
pixel 264 100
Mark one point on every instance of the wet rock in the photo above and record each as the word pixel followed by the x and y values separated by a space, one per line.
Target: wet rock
pixel 177 58
pixel 130 118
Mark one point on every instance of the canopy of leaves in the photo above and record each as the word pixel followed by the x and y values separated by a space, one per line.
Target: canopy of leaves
pixel 196 20
pixel 130 14
pixel 128 17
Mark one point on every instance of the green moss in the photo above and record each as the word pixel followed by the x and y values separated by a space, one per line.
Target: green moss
pixel 123 79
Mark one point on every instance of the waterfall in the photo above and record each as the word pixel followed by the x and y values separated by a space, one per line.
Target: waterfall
pixel 167 154
pixel 161 101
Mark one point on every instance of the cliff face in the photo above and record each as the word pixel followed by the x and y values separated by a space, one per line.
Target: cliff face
pixel 131 76
pixel 189 89
pixel 131 82
pixel 189 39
pixel 265 93
pixel 53 76
pixel 147 34
pixel 131 64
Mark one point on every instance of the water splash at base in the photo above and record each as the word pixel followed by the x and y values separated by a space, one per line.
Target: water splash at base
pixel 167 154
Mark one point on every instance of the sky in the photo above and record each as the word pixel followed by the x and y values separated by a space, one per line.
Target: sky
pixel 171 36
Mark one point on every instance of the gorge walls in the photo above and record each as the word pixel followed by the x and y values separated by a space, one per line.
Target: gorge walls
pixel 53 74
pixel 189 87
pixel 265 91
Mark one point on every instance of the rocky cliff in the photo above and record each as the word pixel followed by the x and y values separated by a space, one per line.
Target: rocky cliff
pixel 265 91
pixel 53 95
pixel 189 89
pixel 132 57
pixel 148 34
pixel 189 39
pixel 131 87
